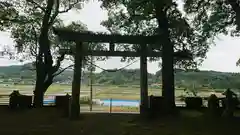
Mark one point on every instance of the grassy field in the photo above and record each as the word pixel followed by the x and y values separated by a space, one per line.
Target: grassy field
pixel 99 92
pixel 49 121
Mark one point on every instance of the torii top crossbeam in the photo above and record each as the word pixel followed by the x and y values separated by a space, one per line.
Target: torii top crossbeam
pixel 69 35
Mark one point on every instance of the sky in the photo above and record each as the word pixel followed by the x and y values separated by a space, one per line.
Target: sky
pixel 221 57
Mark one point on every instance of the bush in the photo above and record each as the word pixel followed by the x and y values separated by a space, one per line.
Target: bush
pixel 213 106
pixel 19 101
pixel 86 101
pixel 235 102
pixel 13 100
pixel 193 102
pixel 182 97
pixel 25 101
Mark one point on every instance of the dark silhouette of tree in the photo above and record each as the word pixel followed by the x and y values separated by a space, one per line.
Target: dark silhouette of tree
pixel 32 31
pixel 214 17
pixel 176 36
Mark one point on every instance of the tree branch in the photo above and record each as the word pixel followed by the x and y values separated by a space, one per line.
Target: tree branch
pixel 57 3
pixel 36 4
pixel 238 62
pixel 236 8
pixel 58 73
pixel 70 7
pixel 35 35
pixel 47 83
pixel 58 64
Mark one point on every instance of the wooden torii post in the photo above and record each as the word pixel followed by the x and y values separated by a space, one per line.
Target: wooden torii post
pixel 80 37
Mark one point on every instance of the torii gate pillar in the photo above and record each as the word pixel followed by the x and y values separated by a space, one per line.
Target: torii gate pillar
pixel 76 83
pixel 143 81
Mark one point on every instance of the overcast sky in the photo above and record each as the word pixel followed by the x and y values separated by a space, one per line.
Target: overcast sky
pixel 221 57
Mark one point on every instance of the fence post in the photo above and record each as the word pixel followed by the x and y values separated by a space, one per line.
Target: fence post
pixel 110 105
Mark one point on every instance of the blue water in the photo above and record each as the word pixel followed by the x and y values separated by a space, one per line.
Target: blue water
pixel 132 103
pixel 48 101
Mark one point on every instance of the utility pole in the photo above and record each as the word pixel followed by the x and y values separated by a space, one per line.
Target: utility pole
pixel 91 82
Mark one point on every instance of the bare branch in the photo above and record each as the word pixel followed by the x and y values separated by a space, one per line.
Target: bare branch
pixel 36 4
pixel 56 74
pixel 35 35
pixel 58 64
pixel 238 62
pixel 70 7
pixel 33 52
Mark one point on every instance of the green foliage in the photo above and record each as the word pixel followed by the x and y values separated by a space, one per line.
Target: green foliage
pixel 193 102
pixel 139 17
pixel 32 31
pixel 26 28
pixel 7 13
pixel 214 17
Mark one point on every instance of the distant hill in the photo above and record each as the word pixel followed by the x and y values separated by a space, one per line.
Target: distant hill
pixel 209 79
pixel 26 72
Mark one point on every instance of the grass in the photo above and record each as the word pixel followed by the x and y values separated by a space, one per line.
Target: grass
pixel 99 92
pixel 48 121
pixel 122 109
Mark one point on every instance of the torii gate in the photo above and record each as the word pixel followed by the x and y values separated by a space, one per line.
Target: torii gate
pixel 143 53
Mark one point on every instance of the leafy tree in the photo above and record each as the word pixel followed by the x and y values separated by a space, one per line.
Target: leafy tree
pixel 7 12
pixel 34 38
pixel 214 17
pixel 177 37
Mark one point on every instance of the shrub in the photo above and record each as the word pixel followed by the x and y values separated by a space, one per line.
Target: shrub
pixel 182 97
pixel 13 100
pixel 25 101
pixel 213 105
pixel 235 102
pixel 19 101
pixel 193 102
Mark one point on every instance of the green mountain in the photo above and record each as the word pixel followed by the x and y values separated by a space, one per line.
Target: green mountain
pixel 209 79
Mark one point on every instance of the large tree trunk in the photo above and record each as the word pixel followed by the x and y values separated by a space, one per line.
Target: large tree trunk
pixel 168 91
pixel 41 87
pixel 38 93
pixel 42 83
pixel 44 69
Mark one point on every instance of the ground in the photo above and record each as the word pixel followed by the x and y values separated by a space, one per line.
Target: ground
pixel 49 121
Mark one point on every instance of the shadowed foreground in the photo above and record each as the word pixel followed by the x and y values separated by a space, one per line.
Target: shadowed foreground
pixel 48 122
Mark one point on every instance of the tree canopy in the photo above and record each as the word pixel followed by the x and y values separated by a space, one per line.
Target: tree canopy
pixel 7 13
pixel 139 17
pixel 32 31
pixel 214 17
